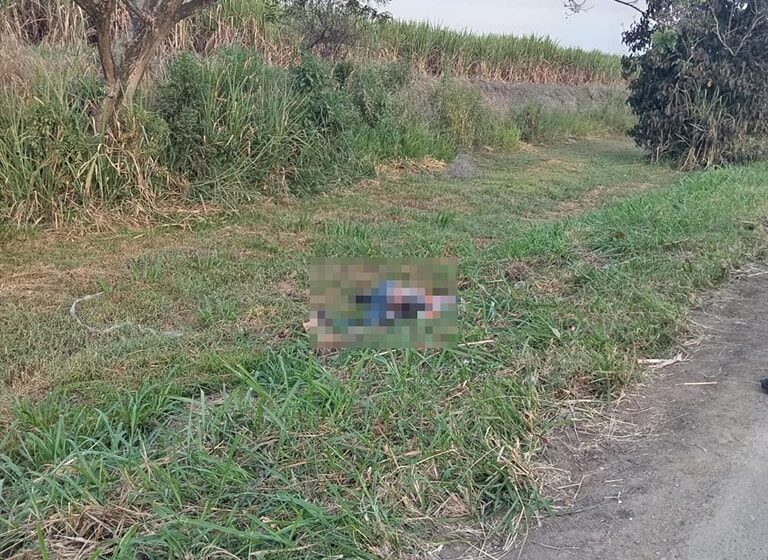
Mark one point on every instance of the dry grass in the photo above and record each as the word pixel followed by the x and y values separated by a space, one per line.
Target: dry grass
pixel 432 51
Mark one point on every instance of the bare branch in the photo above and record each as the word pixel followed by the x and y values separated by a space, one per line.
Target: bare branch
pixel 145 17
pixel 191 7
pixel 723 40
pixel 577 6
pixel 745 36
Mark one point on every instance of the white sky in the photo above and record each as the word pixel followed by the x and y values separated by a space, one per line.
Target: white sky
pixel 599 28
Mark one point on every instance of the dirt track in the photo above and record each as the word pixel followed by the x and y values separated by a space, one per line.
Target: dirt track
pixel 689 481
pixel 695 487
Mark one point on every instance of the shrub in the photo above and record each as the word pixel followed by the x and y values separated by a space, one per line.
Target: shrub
pixel 699 83
pixel 329 108
pixel 461 113
pixel 180 101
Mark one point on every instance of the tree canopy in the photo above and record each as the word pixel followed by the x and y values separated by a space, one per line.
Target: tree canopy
pixel 698 79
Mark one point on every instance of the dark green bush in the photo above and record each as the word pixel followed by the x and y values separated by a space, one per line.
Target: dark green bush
pixel 699 82
pixel 181 101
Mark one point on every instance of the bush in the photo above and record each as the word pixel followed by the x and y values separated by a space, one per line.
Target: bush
pixel 228 128
pixel 461 113
pixel 180 101
pixel 329 108
pixel 701 97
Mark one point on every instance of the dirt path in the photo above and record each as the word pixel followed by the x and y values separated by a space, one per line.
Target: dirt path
pixel 695 485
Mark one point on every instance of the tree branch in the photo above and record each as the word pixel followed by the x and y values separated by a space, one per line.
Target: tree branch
pixel 145 17
pixel 191 7
pixel 580 5
pixel 631 4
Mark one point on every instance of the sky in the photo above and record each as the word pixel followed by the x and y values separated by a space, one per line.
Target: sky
pixel 598 28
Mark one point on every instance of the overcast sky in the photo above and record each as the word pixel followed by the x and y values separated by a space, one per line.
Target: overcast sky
pixel 599 28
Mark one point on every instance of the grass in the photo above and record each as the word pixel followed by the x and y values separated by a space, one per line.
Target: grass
pixel 437 50
pixel 228 128
pixel 257 24
pixel 238 439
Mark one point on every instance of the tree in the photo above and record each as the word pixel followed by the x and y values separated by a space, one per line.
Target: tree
pixel 329 25
pixel 152 21
pixel 698 79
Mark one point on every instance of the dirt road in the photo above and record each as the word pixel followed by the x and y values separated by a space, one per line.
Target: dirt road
pixel 695 485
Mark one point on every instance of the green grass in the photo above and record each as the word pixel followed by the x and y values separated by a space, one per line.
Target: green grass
pixel 575 260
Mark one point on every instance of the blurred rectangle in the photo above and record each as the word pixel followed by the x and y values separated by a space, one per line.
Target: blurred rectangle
pixel 383 303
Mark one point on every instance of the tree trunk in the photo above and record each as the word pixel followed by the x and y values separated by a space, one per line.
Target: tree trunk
pixel 143 47
pixel 153 21
pixel 104 38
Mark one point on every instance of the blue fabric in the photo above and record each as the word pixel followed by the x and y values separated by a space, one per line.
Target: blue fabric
pixel 377 312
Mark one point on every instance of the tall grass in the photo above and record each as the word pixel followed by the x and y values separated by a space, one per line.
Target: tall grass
pixel 438 50
pixel 231 110
pixel 230 127
pixel 260 25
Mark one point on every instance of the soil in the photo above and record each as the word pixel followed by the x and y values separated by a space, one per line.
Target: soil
pixel 686 478
pixel 505 95
pixel 514 94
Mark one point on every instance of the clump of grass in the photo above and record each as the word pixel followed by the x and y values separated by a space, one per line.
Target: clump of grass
pixel 466 118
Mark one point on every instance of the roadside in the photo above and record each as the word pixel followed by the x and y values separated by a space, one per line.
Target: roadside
pixel 681 476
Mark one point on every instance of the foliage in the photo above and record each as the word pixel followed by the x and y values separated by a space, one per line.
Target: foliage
pixel 180 102
pixel 461 113
pixel 699 80
pixel 327 26
pixel 53 167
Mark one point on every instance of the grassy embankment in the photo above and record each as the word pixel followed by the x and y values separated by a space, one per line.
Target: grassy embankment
pixel 236 437
pixel 232 112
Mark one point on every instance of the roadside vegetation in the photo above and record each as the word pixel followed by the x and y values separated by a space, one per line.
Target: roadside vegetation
pixel 228 128
pixel 236 438
pixel 192 419
pixel 227 114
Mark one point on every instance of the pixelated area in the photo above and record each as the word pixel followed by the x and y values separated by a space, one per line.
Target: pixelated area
pixel 383 303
